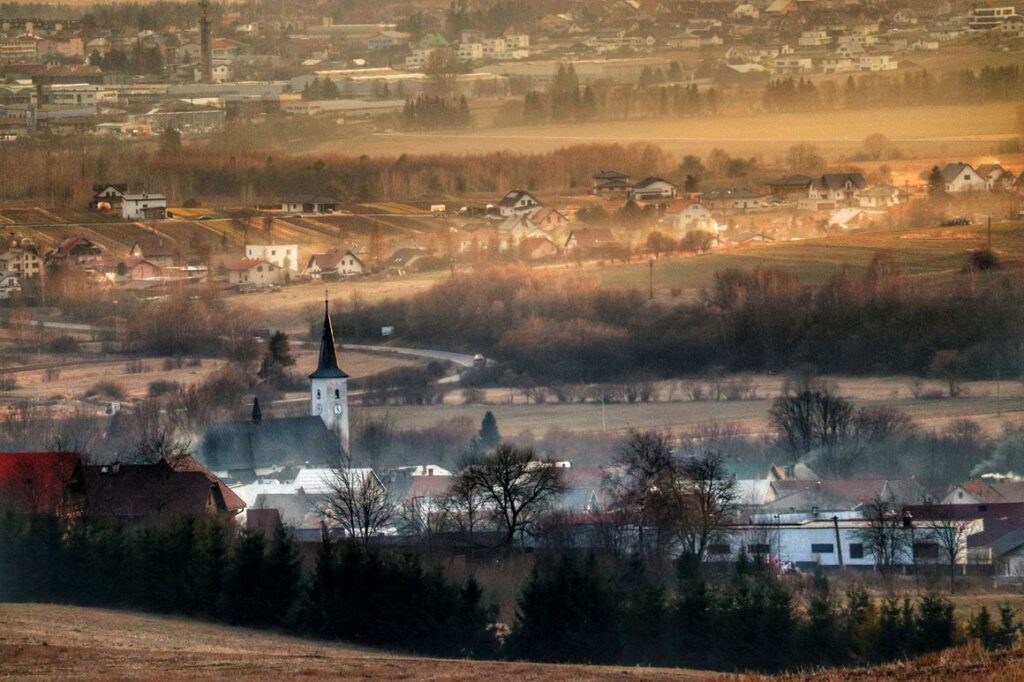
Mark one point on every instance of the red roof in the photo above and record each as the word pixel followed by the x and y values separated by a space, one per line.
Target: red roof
pixel 36 482
pixel 428 486
pixel 682 205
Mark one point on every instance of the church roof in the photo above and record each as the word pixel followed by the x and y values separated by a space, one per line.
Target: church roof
pixel 238 446
pixel 327 365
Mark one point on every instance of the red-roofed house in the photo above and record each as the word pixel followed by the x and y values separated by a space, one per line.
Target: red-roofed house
pixel 41 483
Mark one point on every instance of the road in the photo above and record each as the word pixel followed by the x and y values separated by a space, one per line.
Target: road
pixel 460 359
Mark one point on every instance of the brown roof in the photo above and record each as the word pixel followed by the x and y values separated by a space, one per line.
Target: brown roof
pixel 245 264
pixel 137 491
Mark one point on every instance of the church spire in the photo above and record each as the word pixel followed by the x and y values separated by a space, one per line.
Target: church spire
pixel 327 366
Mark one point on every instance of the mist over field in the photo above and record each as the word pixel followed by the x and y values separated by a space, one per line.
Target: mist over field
pixel 560 340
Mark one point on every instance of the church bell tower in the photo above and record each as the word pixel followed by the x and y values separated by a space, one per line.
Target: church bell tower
pixel 329 385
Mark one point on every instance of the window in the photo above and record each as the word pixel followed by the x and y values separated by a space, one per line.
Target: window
pixel 982 507
pixel 337 394
pixel 719 549
pixel 926 550
pixel 856 550
pixel 758 548
pixel 318 394
pixel 822 548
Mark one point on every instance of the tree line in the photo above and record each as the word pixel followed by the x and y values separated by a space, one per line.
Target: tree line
pixel 208 568
pixel 571 329
pixel 572 609
pixel 990 83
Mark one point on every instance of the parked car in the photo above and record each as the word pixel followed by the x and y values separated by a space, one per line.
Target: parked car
pixel 953 222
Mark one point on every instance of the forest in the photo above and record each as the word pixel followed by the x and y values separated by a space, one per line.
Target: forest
pixel 572 330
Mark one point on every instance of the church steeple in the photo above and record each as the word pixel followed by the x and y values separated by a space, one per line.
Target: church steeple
pixel 327 365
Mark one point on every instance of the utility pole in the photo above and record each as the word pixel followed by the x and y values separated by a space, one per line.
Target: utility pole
pixel 651 283
pixel 990 233
pixel 839 544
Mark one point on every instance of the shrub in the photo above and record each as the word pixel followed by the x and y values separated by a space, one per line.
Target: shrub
pixel 63 344
pixel 982 259
pixel 106 389
pixel 163 387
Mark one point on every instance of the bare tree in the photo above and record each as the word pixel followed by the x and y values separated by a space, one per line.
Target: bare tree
pixel 644 486
pixel 356 501
pixel 948 533
pixel 884 534
pixel 710 503
pixel 515 487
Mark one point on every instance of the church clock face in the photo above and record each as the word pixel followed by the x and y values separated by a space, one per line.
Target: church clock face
pixel 337 409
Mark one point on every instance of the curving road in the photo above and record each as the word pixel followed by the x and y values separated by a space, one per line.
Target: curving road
pixel 457 358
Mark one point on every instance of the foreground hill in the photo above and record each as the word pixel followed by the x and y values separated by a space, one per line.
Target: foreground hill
pixel 59 642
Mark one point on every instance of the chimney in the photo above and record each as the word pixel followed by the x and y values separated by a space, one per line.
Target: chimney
pixel 908 519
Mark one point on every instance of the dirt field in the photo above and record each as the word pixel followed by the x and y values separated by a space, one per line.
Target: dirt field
pixel 992 404
pixel 57 643
pixel 918 131
pixel 76 379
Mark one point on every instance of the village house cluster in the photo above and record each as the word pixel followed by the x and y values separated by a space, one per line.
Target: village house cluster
pixel 67 75
pixel 262 470
pixel 517 226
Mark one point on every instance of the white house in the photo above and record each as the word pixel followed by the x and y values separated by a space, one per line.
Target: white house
pixel 831 539
pixel 881 196
pixel 9 285
pixel 335 262
pixel 961 177
pixel 517 201
pixel 736 198
pixel 282 255
pixel 837 187
pixel 877 62
pixel 259 272
pixel 144 207
pixel 309 204
pixel 21 261
pixel 652 188
pixel 688 215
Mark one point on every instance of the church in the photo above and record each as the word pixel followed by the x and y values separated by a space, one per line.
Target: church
pixel 246 450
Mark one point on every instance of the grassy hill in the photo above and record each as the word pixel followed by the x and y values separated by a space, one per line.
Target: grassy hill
pixel 933 252
pixel 60 642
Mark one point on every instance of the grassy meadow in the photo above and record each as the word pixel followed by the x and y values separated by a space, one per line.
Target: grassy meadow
pixel 932 252
pixel 919 131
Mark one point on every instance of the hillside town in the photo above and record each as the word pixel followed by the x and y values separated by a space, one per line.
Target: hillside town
pixel 157 247
pixel 74 74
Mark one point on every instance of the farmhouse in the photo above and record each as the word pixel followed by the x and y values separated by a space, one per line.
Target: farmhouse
pixel 837 187
pixel 961 177
pixel 537 248
pixel 156 251
pixel 995 176
pixel 309 204
pixel 686 215
pixel 108 196
pixel 517 201
pixel 132 493
pixel 144 207
pixel 651 188
pixel 594 241
pixel 76 248
pixel 610 183
pixel 737 199
pixel 23 261
pixel 250 271
pixel 881 196
pixel 285 256
pixel 334 263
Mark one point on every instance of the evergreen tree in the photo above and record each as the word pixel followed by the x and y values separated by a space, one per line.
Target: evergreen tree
pixel 282 576
pixel 489 435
